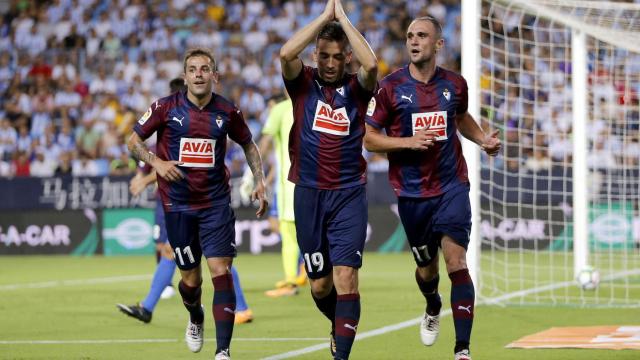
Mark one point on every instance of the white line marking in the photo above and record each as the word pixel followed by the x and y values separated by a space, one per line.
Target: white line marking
pixel 138 341
pixel 58 283
pixel 412 322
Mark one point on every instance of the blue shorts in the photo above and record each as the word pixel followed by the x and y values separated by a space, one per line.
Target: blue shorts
pixel 159 228
pixel 426 220
pixel 209 232
pixel 331 227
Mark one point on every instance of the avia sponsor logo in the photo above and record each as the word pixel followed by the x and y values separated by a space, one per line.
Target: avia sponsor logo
pixel 36 235
pixel 435 121
pixel 330 121
pixel 134 233
pixel 514 229
pixel 197 152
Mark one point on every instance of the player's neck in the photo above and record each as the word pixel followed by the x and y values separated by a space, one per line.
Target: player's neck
pixel 422 72
pixel 200 102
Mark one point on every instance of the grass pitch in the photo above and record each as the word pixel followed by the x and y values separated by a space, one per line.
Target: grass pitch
pixel 61 307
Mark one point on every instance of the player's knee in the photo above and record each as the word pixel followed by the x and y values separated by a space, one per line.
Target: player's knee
pixel 455 263
pixel 321 287
pixel 346 279
pixel 430 271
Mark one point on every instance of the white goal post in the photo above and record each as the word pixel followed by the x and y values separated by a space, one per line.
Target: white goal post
pixel 561 80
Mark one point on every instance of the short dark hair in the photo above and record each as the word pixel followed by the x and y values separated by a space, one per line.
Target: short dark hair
pixel 332 31
pixel 198 52
pixel 176 85
pixel 432 20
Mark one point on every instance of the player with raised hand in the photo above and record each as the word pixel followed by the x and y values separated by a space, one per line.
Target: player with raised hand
pixel 193 182
pixel 422 107
pixel 327 166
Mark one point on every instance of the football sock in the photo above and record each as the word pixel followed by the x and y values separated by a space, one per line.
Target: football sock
pixel 161 279
pixel 347 317
pixel 241 302
pixel 224 307
pixel 462 306
pixel 327 305
pixel 191 300
pixel 429 290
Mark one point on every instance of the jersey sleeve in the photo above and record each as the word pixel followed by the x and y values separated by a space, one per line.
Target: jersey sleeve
pixel 238 128
pixel 379 109
pixel 362 93
pixel 154 119
pixel 463 104
pixel 272 125
pixel 297 87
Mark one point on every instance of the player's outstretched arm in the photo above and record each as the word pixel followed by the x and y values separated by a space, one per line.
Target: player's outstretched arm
pixel 291 63
pixel 368 72
pixel 470 129
pixel 259 193
pixel 165 169
pixel 140 181
pixel 376 141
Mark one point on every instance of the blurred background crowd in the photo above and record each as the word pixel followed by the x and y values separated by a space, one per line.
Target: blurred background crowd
pixel 76 74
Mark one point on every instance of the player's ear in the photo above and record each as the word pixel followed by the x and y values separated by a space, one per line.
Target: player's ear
pixel 215 77
pixel 348 57
pixel 315 55
pixel 439 44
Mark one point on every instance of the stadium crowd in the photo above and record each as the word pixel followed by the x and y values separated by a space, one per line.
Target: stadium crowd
pixel 76 74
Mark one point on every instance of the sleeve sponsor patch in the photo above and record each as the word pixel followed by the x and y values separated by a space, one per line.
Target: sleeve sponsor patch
pixel 372 107
pixel 145 117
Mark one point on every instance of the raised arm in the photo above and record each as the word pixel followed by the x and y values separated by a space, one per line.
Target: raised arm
pixel 254 161
pixel 368 72
pixel 470 129
pixel 291 63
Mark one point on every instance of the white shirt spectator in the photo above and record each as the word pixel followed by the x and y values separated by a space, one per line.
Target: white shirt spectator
pixel 252 73
pixel 42 167
pixel 84 167
pixel 8 138
pixel 251 102
pixel 5 169
pixel 102 84
pixel 255 40
pixel 33 42
pixel 63 70
pixel 67 99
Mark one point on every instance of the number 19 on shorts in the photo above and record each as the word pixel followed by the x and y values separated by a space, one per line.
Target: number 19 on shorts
pixel 314 262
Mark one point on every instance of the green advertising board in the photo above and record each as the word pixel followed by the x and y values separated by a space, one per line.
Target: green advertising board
pixel 610 227
pixel 128 231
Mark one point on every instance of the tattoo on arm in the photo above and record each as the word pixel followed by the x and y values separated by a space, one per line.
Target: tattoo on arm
pixel 140 152
pixel 254 160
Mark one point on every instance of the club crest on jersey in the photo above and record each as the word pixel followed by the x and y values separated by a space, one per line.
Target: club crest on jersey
pixel 330 121
pixel 446 94
pixel 197 152
pixel 435 121
pixel 340 90
pixel 145 117
pixel 219 121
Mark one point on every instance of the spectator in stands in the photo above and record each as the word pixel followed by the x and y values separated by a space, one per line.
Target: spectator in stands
pixel 8 140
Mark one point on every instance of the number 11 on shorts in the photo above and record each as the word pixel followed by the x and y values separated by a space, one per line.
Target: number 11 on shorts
pixel 186 251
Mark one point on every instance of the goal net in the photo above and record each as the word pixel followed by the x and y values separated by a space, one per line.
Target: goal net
pixel 561 80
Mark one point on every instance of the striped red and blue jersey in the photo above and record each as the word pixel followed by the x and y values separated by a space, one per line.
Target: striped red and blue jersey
pixel 404 105
pixel 198 139
pixel 325 142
